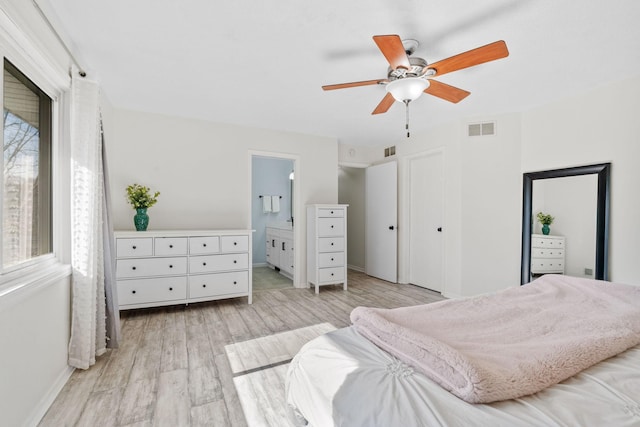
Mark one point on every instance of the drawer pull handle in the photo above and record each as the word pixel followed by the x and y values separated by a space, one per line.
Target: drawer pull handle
pixel 204 245
pixel 331 259
pixel 235 243
pixel 204 286
pixel 332 226
pixel 134 246
pixel 235 262
pixel 332 274
pixel 170 266
pixel 235 283
pixel 204 263
pixel 133 268
pixel 332 212
pixel 331 243
pixel 170 289
pixel 133 292
pixel 170 246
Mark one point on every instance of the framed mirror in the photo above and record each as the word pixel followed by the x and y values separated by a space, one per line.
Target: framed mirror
pixel 538 186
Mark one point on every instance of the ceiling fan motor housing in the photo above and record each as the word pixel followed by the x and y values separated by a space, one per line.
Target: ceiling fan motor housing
pixel 416 69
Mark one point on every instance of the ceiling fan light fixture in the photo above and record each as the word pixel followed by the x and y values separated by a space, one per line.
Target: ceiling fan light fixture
pixel 407 89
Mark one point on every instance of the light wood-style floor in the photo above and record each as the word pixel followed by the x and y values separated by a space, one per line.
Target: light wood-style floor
pixel 172 368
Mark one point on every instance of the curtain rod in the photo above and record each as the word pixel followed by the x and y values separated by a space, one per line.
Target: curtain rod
pixel 81 71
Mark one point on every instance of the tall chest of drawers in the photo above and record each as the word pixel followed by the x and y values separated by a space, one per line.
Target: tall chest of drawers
pixel 156 268
pixel 547 254
pixel 327 245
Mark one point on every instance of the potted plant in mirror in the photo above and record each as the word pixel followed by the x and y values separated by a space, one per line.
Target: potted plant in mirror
pixel 546 220
pixel 141 198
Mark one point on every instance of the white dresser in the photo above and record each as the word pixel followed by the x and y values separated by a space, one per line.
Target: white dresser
pixel 279 250
pixel 155 268
pixel 547 254
pixel 327 245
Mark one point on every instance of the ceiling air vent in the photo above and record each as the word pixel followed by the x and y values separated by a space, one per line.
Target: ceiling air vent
pixel 390 151
pixel 482 129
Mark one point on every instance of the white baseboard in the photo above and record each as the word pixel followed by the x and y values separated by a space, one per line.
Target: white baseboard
pixel 260 264
pixel 451 295
pixel 355 268
pixel 43 406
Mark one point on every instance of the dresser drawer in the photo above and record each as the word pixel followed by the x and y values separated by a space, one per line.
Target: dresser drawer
pixel 330 275
pixel 208 285
pixel 331 213
pixel 546 242
pixel 547 266
pixel 222 262
pixel 147 267
pixel 169 246
pixel 331 244
pixel 234 243
pixel 330 227
pixel 547 253
pixel 134 247
pixel 331 259
pixel 142 291
pixel 204 245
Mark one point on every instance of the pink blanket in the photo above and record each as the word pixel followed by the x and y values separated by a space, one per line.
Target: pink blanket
pixel 511 343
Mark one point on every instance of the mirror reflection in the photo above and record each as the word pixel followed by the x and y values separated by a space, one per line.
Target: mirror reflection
pixel 569 244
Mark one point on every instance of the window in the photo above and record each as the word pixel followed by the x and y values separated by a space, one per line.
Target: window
pixel 26 195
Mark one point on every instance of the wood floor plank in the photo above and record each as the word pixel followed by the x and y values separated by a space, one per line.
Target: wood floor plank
pixel 204 385
pixel 173 406
pixel 138 401
pixel 199 352
pixel 174 346
pixel 101 409
pixel 210 414
pixel 234 322
pixel 234 408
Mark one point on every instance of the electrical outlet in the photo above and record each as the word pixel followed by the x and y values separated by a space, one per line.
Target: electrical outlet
pixel 588 272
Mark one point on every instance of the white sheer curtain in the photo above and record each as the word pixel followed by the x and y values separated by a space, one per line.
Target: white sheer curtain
pixel 88 326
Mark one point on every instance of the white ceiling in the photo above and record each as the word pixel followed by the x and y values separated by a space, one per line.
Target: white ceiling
pixel 261 63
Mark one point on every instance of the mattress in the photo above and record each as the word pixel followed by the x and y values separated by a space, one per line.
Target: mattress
pixel 342 379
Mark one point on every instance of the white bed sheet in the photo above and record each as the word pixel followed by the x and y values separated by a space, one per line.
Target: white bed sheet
pixel 342 379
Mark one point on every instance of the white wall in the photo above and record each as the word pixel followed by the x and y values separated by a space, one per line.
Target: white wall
pixel 34 332
pixel 351 191
pixel 202 171
pixel 482 204
pixel 596 127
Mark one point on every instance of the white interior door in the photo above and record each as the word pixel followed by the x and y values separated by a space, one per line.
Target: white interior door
pixel 381 235
pixel 426 200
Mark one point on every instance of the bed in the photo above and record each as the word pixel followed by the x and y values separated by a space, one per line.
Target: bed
pixel 344 379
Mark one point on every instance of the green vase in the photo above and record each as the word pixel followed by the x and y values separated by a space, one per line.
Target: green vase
pixel 141 219
pixel 545 229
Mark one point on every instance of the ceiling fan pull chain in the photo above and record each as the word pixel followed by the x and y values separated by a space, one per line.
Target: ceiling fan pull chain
pixel 406 103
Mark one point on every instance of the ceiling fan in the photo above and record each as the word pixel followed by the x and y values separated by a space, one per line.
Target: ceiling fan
pixel 408 76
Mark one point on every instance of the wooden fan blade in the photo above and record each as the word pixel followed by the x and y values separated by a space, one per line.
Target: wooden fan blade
pixel 385 104
pixel 392 49
pixel 480 55
pixel 446 92
pixel 353 84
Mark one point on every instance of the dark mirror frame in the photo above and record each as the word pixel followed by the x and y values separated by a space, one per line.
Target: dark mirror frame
pixel 603 170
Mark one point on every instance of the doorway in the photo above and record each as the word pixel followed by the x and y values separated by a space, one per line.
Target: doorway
pixel 273 218
pixel 426 199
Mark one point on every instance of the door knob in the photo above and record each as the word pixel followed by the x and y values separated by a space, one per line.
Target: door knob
pixel 391 227
pixel 439 229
